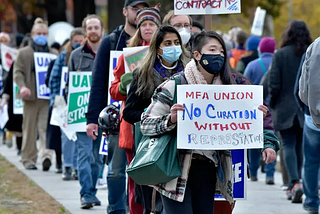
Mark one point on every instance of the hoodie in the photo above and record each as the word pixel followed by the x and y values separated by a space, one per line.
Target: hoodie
pixel 100 73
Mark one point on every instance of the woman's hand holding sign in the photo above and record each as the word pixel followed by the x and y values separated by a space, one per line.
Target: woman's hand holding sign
pixel 264 109
pixel 174 112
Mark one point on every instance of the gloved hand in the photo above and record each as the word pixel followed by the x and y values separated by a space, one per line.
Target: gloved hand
pixel 125 81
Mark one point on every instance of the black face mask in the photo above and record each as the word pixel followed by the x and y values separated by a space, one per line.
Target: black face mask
pixel 212 63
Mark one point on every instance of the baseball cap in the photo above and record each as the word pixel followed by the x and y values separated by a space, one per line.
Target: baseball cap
pixel 135 2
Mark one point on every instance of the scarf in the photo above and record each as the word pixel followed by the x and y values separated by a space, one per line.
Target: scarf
pixel 194 76
pixel 164 73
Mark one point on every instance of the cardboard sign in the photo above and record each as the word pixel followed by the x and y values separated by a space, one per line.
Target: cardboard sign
pixel 17 103
pixel 258 22
pixel 63 80
pixel 114 56
pixel 8 55
pixel 78 100
pixel 41 62
pixel 239 164
pixel 202 7
pixel 103 146
pixel 219 117
pixel 133 56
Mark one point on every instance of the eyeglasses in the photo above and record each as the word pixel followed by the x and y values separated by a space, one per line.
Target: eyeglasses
pixel 179 25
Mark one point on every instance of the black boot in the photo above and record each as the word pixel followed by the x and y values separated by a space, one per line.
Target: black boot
pixel 75 174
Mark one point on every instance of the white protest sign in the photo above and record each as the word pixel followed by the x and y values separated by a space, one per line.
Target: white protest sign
pixel 8 55
pixel 59 117
pixel 4 116
pixel 103 146
pixel 63 80
pixel 133 56
pixel 78 100
pixel 17 103
pixel 202 7
pixel 1 82
pixel 114 56
pixel 218 117
pixel 41 62
pixel 258 22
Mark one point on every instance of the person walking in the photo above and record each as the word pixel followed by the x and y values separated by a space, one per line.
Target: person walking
pixel 287 117
pixel 148 21
pixel 307 89
pixel 194 190
pixel 35 111
pixel 69 151
pixel 255 70
pixel 116 178
pixel 89 159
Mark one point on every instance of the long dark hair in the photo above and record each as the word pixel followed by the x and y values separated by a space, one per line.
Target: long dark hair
pixel 144 74
pixel 201 40
pixel 297 34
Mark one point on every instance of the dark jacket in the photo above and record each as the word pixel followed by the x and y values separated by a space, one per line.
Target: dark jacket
pixel 49 72
pixel 282 77
pixel 301 105
pixel 100 73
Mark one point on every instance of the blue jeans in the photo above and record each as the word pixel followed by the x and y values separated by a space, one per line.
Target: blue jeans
pixel 116 177
pixel 69 151
pixel 311 148
pixel 89 162
pixel 292 152
pixel 254 158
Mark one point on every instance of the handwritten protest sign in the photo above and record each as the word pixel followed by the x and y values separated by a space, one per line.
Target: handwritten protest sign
pixel 201 7
pixel 41 62
pixel 133 56
pixel 239 164
pixel 78 100
pixel 17 103
pixel 114 56
pixel 258 22
pixel 63 80
pixel 8 55
pixel 220 117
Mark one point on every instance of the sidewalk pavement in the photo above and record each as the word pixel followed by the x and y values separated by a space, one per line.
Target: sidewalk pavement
pixel 261 198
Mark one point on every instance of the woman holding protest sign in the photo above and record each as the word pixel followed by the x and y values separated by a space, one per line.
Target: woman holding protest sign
pixel 210 171
pixel 166 56
pixel 35 110
pixel 148 21
pixel 68 146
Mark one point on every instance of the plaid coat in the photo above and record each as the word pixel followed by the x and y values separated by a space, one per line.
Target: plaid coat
pixel 155 121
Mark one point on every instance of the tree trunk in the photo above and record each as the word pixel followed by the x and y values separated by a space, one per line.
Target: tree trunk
pixel 115 14
pixel 81 9
pixel 268 28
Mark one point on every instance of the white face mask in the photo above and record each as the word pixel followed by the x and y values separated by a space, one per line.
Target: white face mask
pixel 185 35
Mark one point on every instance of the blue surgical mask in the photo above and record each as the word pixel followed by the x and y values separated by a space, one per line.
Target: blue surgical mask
pixel 75 45
pixel 40 40
pixel 171 54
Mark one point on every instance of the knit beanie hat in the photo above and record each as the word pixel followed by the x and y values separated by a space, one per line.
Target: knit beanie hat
pixel 150 13
pixel 267 45
pixel 252 43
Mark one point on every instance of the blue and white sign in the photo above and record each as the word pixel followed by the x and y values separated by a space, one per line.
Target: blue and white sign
pixel 239 163
pixel 114 56
pixel 103 146
pixel 63 80
pixel 41 62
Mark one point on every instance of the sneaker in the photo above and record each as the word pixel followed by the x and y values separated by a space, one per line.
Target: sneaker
pixel 289 195
pixel 254 178
pixel 95 201
pixel 9 142
pixel 75 175
pixel 309 210
pixel 269 181
pixel 284 187
pixel 86 202
pixel 101 184
pixel 297 193
pixel 66 176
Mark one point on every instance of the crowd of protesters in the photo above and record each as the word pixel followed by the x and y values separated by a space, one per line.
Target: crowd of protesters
pixel 180 48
